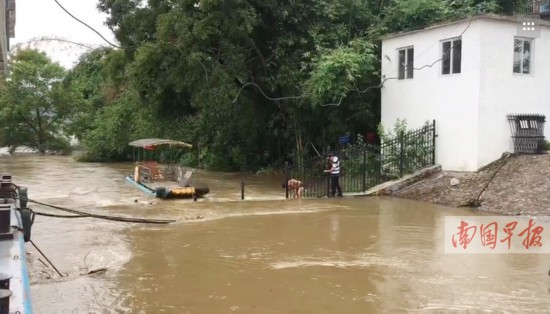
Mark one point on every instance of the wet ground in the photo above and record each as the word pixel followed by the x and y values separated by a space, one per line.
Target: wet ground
pixel 261 255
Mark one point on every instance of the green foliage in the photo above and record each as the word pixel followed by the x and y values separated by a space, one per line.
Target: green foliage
pixel 114 127
pixel 339 71
pixel 34 105
pixel 186 68
pixel 58 144
pixel 404 150
pixel 459 8
pixel 353 157
pixel 399 129
pixel 86 79
pixel 406 15
pixel 190 68
pixel 361 162
pixel 491 6
pixel 506 6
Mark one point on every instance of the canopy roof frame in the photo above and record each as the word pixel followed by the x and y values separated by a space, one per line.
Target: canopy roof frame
pixel 154 142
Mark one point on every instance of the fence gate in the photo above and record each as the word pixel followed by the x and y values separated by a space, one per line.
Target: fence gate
pixel 527 133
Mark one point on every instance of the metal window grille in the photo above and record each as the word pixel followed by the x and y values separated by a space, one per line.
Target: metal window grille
pixel 527 133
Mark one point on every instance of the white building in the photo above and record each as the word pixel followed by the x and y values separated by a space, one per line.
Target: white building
pixel 495 66
pixel 7 31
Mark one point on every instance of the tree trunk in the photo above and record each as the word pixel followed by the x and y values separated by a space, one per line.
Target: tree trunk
pixel 40 134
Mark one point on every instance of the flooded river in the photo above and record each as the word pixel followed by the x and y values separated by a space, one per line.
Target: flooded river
pixel 261 255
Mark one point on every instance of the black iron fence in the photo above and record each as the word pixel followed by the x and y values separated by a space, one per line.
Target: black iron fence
pixel 364 166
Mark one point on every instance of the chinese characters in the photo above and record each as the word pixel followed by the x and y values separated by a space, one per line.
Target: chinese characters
pixel 492 233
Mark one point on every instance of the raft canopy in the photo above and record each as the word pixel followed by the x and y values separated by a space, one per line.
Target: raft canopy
pixel 153 143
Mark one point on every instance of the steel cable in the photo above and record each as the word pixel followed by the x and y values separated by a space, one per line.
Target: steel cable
pixel 113 218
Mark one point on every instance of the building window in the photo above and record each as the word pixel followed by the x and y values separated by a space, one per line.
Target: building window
pixel 522 56
pixel 451 58
pixel 406 63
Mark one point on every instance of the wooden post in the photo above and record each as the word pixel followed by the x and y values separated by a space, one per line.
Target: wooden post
pixel 433 143
pixel 286 178
pixel 364 170
pixel 328 176
pixel 242 189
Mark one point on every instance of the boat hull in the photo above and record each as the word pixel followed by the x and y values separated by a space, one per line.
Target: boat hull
pixel 141 186
pixel 14 232
pixel 171 192
pixel 13 261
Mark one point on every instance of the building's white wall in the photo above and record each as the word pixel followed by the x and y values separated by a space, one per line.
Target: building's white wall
pixel 451 100
pixel 502 92
pixel 3 40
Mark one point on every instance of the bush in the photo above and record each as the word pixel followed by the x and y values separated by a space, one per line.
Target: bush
pixel 58 145
pixel 405 151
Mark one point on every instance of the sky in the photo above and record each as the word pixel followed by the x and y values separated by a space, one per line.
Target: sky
pixel 44 18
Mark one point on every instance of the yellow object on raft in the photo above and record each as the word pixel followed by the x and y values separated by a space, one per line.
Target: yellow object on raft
pixel 187 191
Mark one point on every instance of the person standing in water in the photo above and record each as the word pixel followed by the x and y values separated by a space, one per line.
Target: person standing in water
pixel 334 175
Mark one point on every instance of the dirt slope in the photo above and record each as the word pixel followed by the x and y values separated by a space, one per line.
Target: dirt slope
pixel 521 186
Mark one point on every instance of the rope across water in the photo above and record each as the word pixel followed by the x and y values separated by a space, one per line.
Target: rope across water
pixel 81 214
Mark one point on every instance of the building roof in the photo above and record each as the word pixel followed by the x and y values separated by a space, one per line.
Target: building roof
pixel 512 19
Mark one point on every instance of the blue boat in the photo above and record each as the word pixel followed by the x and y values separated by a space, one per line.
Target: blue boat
pixel 15 221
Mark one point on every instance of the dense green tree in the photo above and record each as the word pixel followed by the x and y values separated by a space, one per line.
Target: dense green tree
pixel 34 106
pixel 250 82
pixel 216 66
pixel 114 127
pixel 110 115
pixel 87 79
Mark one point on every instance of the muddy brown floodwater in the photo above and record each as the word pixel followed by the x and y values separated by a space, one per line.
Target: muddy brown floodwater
pixel 261 255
